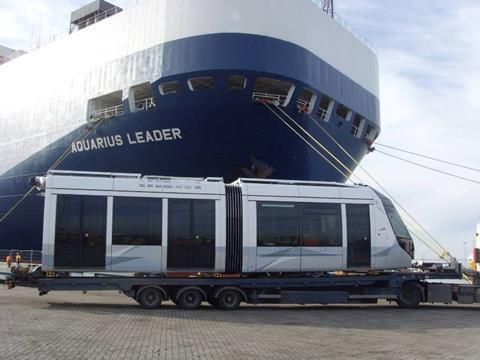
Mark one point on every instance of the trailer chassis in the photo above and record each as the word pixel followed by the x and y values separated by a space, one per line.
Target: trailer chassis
pixel 408 288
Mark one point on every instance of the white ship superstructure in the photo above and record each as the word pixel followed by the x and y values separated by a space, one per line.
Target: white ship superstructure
pixel 173 86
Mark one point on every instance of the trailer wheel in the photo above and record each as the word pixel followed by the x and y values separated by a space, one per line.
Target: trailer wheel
pixel 190 299
pixel 410 296
pixel 229 299
pixel 173 297
pixel 150 298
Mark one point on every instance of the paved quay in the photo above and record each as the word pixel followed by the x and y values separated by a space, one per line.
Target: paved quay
pixel 108 325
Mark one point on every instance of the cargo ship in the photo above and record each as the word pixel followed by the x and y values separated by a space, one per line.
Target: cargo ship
pixel 178 87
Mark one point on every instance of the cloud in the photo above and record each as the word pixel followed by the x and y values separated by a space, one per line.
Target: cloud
pixel 430 100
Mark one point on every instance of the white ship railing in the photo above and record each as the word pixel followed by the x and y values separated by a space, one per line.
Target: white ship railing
pixel 303 105
pixel 269 98
pixel 114 111
pixel 327 6
pixel 145 104
pixel 356 33
pixel 94 19
pixel 355 130
pixel 132 3
pixel 28 257
pixel 106 113
pixel 322 114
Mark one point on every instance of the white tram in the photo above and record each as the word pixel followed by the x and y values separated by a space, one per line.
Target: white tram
pixel 129 223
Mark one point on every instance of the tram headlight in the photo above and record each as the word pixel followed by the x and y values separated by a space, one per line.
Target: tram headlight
pixel 39 182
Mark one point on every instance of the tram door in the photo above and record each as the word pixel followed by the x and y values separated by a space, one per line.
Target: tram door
pixel 80 232
pixel 191 234
pixel 358 236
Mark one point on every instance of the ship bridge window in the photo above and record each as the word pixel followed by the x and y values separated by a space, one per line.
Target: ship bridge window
pixel 371 134
pixel 237 82
pixel 201 83
pixel 105 106
pixel 169 88
pixel 273 91
pixel 357 126
pixel 325 109
pixel 306 101
pixel 344 112
pixel 141 98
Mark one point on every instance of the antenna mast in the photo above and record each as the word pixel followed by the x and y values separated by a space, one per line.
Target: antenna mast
pixel 327 6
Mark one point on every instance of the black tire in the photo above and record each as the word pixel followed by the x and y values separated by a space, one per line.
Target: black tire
pixel 173 298
pixel 190 299
pixel 229 299
pixel 410 296
pixel 150 298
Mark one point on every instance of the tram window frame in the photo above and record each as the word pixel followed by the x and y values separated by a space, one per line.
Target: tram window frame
pixel 324 212
pixel 155 228
pixel 262 222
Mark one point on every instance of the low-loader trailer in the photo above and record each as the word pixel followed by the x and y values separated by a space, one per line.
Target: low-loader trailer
pixel 408 288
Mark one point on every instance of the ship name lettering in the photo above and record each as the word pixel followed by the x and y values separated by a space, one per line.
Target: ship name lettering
pixel 138 137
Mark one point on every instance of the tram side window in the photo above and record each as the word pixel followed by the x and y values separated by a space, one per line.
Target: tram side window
pixel 321 225
pixel 137 221
pixel 278 224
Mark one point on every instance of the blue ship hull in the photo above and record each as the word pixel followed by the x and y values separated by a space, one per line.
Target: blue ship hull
pixel 199 134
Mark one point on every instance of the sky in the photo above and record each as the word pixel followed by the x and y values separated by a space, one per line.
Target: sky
pixel 429 54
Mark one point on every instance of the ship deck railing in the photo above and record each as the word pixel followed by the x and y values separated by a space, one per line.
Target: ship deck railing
pixel 304 105
pixel 274 99
pixel 107 113
pixel 145 104
pixel 118 110
pixel 28 257
pixel 96 18
pixel 322 114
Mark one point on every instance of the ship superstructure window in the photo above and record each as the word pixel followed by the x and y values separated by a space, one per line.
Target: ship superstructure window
pixel 274 91
pixel 141 98
pixel 371 134
pixel 237 82
pixel 105 106
pixel 201 83
pixel 306 101
pixel 169 88
pixel 357 126
pixel 325 108
pixel 344 112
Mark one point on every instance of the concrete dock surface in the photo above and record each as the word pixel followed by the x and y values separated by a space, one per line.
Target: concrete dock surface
pixel 108 325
